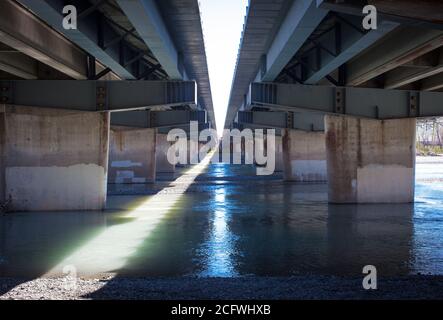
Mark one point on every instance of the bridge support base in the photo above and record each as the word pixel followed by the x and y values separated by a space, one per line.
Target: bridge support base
pixel 53 159
pixel 161 160
pixel 132 155
pixel 370 161
pixel 304 156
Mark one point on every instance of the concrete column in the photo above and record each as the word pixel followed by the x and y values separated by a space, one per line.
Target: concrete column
pixel 200 146
pixel 276 150
pixel 304 156
pixel 226 149
pixel 132 155
pixel 278 153
pixel 370 161
pixel 161 160
pixel 192 152
pixel 53 159
pixel 237 151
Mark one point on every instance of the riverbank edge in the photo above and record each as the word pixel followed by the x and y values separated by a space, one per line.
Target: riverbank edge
pixel 311 287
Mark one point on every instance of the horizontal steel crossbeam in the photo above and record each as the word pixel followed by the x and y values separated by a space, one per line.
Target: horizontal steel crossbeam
pixel 263 118
pixel 360 102
pixel 306 121
pixel 89 95
pixel 157 119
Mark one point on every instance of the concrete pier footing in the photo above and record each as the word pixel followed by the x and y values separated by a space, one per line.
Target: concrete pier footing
pixel 304 156
pixel 161 160
pixel 53 159
pixel 370 161
pixel 132 155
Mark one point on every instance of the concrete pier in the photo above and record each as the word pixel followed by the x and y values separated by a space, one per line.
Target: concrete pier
pixel 276 149
pixel 53 159
pixel 161 160
pixel 370 161
pixel 304 156
pixel 278 153
pixel 192 149
pixel 132 155
pixel 238 152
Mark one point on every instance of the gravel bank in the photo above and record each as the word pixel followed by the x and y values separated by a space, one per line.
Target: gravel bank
pixel 300 287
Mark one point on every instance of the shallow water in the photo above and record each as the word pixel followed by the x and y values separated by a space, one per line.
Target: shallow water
pixel 225 221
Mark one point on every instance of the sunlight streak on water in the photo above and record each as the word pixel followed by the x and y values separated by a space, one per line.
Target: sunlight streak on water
pixel 109 251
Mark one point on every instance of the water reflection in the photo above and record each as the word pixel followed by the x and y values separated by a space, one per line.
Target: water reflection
pixel 379 235
pixel 218 251
pixel 32 243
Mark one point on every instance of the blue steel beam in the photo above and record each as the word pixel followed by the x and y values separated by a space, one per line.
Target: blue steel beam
pixel 404 45
pixel 21 30
pixel 263 118
pixel 87 95
pixel 352 44
pixel 157 119
pixel 421 14
pixel 91 34
pixel 358 102
pixel 145 17
pixel 307 121
pixel 302 19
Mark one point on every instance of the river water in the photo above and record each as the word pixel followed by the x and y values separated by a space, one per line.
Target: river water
pixel 222 220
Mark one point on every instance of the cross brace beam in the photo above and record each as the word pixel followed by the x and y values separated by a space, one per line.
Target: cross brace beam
pixel 90 95
pixel 157 119
pixel 360 102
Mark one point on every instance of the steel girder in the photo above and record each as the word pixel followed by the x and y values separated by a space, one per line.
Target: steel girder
pixel 96 35
pixel 306 121
pixel 360 102
pixel 157 119
pixel 89 95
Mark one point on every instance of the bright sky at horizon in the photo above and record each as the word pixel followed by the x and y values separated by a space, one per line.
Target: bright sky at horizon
pixel 222 26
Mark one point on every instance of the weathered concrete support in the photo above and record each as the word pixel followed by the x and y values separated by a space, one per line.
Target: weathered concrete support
pixel 192 149
pixel 276 150
pixel 278 153
pixel 304 156
pixel 237 151
pixel 53 159
pixel 132 155
pixel 370 161
pixel 161 160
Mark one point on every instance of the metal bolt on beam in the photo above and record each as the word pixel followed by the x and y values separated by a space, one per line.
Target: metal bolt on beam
pixel 152 119
pixel 5 92
pixel 290 120
pixel 340 100
pixel 101 98
pixel 413 103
